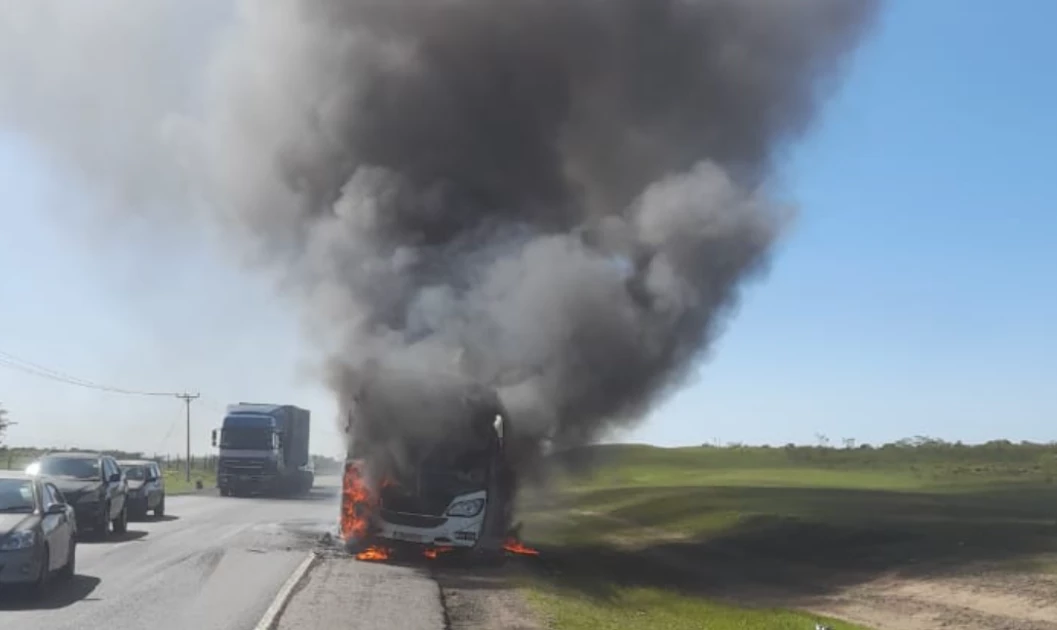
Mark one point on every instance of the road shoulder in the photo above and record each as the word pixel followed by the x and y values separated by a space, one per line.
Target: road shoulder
pixel 484 599
pixel 339 589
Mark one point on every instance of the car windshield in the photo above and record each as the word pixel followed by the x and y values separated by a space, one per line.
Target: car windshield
pixel 135 473
pixel 76 467
pixel 16 495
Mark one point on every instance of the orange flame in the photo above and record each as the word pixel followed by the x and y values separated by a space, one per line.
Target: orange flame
pixel 433 552
pixel 373 553
pixel 513 545
pixel 357 502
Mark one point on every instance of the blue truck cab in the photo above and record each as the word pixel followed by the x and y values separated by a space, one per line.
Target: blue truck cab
pixel 264 450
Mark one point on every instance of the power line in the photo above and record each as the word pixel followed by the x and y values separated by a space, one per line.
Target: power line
pixel 33 367
pixel 168 432
pixel 202 401
pixel 21 365
pixel 212 405
pixel 28 367
pixel 11 361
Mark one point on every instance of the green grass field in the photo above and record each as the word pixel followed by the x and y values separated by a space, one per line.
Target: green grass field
pixel 659 609
pixel 643 535
pixel 176 481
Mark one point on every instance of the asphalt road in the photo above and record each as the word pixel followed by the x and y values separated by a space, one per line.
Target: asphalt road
pixel 210 563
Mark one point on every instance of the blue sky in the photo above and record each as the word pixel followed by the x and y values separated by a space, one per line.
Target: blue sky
pixel 917 293
pixel 914 295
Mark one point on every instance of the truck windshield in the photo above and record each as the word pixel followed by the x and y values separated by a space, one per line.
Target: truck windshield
pixel 243 438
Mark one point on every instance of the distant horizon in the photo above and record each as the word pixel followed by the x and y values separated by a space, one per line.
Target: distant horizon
pixel 836 445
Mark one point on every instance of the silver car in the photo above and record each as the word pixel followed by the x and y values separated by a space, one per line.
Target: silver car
pixel 146 487
pixel 37 532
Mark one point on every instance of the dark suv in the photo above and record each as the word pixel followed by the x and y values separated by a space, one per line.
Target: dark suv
pixel 93 484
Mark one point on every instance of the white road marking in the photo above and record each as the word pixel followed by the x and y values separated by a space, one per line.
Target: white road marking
pixel 271 616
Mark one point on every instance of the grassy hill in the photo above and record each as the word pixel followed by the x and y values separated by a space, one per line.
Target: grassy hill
pixel 685 528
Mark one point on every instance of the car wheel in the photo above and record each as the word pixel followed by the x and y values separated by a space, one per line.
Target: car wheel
pixel 121 522
pixel 41 585
pixel 160 510
pixel 70 568
pixel 103 527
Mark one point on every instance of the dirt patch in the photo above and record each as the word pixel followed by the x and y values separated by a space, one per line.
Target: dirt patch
pixel 989 600
pixel 484 599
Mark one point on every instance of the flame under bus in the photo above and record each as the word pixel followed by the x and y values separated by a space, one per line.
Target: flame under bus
pixel 428 471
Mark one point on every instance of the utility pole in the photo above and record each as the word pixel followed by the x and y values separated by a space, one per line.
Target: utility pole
pixel 187 398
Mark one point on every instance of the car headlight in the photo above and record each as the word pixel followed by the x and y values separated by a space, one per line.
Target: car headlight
pixel 466 508
pixel 18 540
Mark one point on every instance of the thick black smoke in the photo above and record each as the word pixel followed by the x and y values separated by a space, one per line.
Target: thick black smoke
pixel 556 197
pixel 559 198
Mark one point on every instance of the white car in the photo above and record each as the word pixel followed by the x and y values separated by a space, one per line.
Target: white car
pixel 38 532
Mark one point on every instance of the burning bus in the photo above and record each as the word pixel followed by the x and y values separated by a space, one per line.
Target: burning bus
pixel 428 467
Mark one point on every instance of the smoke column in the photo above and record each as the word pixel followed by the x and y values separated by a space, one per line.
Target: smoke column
pixel 559 198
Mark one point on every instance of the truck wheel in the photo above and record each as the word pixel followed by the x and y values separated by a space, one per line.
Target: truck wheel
pixel 160 510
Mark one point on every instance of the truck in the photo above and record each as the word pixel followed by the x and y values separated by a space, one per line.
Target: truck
pixel 264 450
pixel 435 449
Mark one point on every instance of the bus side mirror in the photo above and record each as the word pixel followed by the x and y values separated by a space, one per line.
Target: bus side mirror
pixel 214 437
pixel 498 424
